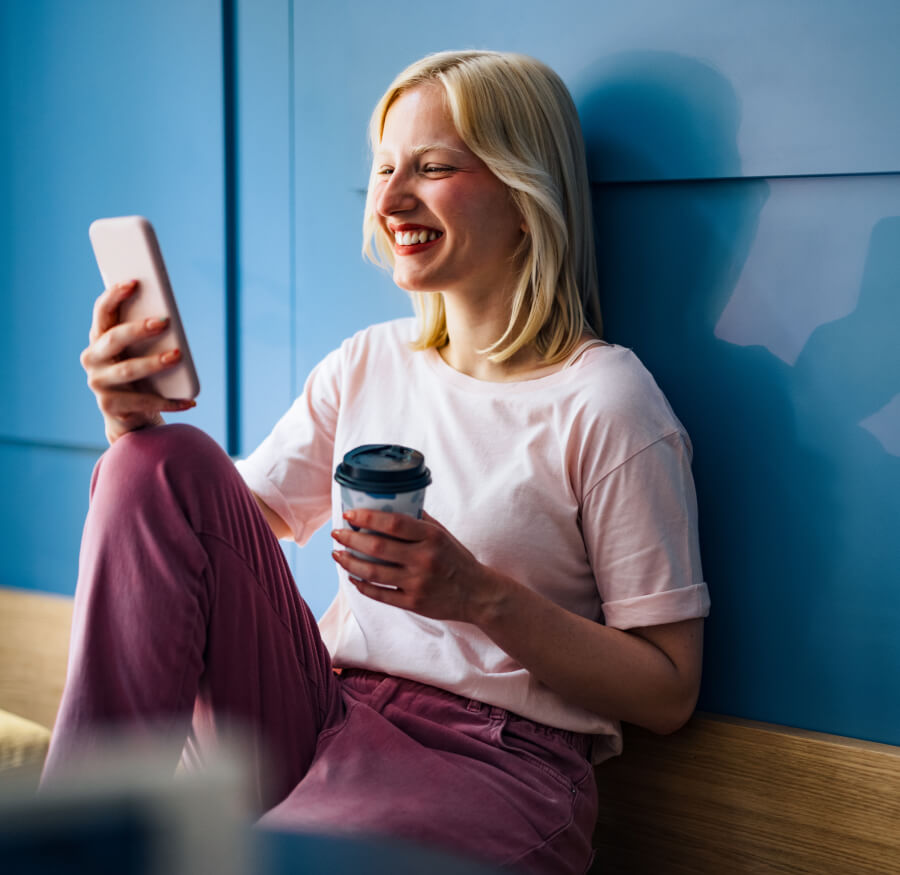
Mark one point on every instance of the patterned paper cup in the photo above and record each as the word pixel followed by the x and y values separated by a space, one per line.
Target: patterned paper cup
pixel 383 477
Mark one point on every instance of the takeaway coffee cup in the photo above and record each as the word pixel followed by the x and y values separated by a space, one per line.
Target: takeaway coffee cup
pixel 384 477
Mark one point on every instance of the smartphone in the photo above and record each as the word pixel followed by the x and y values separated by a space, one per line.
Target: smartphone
pixel 126 248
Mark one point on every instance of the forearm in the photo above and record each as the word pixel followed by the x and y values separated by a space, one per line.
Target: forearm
pixel 648 676
pixel 279 527
pixel 618 674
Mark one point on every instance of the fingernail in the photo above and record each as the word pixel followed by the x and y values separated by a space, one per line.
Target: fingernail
pixel 171 356
pixel 185 405
pixel 157 324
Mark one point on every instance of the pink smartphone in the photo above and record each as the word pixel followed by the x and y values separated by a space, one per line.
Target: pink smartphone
pixel 126 248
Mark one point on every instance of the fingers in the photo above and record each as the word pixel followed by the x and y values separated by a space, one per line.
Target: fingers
pixel 395 525
pixel 106 307
pixel 118 375
pixel 138 407
pixel 110 340
pixel 400 544
pixel 116 379
pixel 124 406
pixel 114 341
pixel 412 564
pixel 370 572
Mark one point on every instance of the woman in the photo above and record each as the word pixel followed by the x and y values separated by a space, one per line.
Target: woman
pixel 552 589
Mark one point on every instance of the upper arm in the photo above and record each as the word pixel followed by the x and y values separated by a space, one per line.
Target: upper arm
pixel 276 523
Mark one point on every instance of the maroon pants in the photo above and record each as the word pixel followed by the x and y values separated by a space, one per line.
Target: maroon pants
pixel 188 623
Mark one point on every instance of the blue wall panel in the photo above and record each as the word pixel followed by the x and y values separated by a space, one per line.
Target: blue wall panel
pixel 45 499
pixel 815 84
pixel 266 227
pixel 110 109
pixel 265 119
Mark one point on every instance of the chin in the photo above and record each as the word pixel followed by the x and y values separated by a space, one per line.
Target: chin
pixel 409 284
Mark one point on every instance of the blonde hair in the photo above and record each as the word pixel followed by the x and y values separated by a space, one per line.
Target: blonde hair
pixel 518 117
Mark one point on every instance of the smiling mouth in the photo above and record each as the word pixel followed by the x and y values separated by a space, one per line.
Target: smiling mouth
pixel 416 237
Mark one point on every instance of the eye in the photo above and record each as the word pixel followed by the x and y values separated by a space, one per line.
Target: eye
pixel 438 168
pixel 384 171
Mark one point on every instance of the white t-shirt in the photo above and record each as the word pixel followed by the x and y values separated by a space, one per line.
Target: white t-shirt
pixel 576 484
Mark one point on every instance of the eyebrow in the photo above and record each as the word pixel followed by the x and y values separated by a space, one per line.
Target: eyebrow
pixel 429 147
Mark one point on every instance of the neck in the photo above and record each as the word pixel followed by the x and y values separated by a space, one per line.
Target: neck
pixel 472 326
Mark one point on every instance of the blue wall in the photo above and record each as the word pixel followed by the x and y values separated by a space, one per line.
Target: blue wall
pixel 105 109
pixel 746 169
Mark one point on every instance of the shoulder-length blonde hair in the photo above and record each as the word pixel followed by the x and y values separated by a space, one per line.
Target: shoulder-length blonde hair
pixel 518 117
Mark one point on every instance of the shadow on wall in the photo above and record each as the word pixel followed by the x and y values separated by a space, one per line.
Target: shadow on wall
pixel 795 583
pixel 847 384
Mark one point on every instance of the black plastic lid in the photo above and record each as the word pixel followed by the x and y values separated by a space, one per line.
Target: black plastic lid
pixel 383 468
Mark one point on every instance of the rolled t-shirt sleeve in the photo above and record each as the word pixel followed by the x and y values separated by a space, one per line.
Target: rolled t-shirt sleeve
pixel 640 530
pixel 291 469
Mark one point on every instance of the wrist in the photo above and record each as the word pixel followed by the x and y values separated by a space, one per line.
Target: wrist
pixel 117 427
pixel 493 600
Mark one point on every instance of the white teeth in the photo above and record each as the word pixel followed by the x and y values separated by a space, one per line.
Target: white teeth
pixel 410 238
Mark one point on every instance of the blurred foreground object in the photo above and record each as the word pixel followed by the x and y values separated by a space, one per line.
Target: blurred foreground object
pixel 126 814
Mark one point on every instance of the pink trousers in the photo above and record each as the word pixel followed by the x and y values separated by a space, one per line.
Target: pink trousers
pixel 188 623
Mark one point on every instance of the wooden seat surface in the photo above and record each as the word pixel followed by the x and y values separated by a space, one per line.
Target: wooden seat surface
pixel 725 795
pixel 34 649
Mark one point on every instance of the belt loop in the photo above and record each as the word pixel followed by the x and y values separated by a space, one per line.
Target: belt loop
pixel 498 713
pixel 473 705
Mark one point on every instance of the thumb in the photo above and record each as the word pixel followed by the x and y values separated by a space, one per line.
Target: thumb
pixel 428 518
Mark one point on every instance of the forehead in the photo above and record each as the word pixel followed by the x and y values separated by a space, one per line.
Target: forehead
pixel 420 117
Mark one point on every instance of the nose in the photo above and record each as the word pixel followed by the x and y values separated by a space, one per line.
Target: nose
pixel 394 194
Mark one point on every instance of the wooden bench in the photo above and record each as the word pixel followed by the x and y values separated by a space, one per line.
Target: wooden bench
pixel 34 649
pixel 721 796
pixel 34 644
pixel 725 796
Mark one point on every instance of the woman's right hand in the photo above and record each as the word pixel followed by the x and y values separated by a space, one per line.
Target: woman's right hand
pixel 126 404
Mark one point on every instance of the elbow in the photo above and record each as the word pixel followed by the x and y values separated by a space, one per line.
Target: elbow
pixel 675 713
pixel 671 723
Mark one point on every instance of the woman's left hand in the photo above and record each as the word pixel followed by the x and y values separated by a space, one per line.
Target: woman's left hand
pixel 433 574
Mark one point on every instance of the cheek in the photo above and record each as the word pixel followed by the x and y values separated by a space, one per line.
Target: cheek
pixel 473 218
pixel 491 211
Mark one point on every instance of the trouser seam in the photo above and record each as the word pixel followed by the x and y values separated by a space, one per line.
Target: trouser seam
pixel 251 571
pixel 546 841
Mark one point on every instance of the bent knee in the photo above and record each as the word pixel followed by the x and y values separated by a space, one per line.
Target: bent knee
pixel 179 449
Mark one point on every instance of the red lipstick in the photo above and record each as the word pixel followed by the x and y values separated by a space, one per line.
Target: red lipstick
pixel 412 248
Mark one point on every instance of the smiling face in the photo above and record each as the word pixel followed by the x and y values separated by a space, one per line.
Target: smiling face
pixel 452 224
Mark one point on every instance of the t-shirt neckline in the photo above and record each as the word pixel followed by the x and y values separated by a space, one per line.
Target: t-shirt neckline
pixel 489 387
